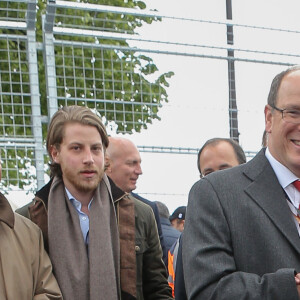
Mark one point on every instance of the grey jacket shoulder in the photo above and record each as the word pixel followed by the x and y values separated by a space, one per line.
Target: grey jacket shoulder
pixel 151 272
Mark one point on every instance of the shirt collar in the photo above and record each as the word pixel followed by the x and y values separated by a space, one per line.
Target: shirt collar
pixel 75 202
pixel 284 175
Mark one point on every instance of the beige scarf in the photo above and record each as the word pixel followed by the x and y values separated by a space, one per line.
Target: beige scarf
pixel 80 277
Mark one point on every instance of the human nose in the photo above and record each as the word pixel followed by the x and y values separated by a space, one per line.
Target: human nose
pixel 88 157
pixel 138 170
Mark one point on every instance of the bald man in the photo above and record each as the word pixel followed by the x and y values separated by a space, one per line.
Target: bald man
pixel 125 170
pixel 136 219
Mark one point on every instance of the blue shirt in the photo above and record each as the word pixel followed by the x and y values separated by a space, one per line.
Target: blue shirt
pixel 83 218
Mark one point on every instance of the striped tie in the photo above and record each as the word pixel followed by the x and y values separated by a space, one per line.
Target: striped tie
pixel 296 184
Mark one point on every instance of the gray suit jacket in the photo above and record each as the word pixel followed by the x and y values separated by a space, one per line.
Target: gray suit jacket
pixel 240 240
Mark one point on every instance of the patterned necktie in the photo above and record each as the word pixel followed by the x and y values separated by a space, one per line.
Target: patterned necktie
pixel 296 184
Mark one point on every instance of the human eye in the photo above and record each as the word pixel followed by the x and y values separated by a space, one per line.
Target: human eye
pixel 75 148
pixel 131 163
pixel 225 167
pixel 97 148
pixel 207 172
pixel 293 113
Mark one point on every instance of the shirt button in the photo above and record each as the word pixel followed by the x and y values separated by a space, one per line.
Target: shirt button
pixel 137 248
pixel 83 218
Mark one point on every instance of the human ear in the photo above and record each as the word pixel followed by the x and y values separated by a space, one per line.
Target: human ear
pixel 54 154
pixel 107 167
pixel 268 118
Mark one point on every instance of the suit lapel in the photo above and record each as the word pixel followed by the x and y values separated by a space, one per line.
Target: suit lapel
pixel 273 201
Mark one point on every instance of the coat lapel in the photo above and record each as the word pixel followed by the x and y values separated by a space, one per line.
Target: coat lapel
pixel 6 213
pixel 273 201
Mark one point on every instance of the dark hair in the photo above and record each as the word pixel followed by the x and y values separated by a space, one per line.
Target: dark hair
pixel 66 115
pixel 273 93
pixel 238 150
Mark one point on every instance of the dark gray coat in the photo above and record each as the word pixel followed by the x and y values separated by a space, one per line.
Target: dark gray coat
pixel 240 238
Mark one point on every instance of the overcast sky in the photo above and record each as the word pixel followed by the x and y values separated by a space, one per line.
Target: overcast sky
pixel 198 93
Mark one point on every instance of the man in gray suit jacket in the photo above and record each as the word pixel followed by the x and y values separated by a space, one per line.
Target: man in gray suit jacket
pixel 241 236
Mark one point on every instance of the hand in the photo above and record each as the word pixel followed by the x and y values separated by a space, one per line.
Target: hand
pixel 297 280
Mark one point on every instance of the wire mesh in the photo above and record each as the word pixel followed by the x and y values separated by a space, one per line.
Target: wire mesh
pixel 18 141
pixel 101 57
pixel 18 171
pixel 121 85
pixel 15 96
pixel 104 80
pixel 13 11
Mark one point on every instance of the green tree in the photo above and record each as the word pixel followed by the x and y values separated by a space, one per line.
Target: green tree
pixel 124 86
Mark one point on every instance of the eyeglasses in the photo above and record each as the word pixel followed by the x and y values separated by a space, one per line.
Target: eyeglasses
pixel 289 115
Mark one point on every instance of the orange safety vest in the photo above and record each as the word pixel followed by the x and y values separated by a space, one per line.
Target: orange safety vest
pixel 172 258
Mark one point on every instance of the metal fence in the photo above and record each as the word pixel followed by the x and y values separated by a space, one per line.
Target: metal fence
pixel 98 56
pixel 21 139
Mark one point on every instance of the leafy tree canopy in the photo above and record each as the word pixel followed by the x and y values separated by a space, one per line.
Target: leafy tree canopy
pixel 123 85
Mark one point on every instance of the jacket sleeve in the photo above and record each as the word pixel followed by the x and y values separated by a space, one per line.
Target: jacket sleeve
pixel 180 292
pixel 46 286
pixel 210 268
pixel 161 237
pixel 158 223
pixel 155 284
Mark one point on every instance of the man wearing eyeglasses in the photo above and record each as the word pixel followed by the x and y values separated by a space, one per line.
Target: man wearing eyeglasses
pixel 242 231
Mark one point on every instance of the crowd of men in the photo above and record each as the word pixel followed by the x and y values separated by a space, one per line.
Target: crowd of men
pixel 87 236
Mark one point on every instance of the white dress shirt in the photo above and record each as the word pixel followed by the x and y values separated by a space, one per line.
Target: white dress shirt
pixel 286 179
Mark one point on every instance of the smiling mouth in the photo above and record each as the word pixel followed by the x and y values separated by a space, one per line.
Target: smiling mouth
pixel 296 142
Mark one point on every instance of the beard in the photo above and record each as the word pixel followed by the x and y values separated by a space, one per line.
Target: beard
pixel 83 185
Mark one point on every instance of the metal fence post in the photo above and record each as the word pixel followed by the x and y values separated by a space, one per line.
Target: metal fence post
pixel 35 92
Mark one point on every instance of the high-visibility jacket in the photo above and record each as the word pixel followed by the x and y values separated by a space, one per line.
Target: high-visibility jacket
pixel 172 258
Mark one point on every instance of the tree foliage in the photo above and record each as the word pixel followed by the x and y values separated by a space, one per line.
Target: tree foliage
pixel 124 86
pixel 114 81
